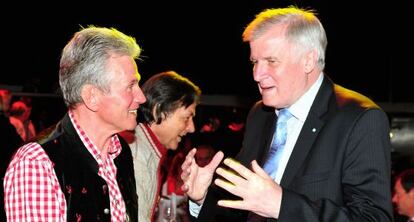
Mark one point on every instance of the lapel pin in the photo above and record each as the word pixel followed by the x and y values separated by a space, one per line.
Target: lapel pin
pixel 313 130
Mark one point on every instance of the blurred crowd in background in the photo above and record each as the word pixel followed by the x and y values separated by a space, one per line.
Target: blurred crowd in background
pixel 218 127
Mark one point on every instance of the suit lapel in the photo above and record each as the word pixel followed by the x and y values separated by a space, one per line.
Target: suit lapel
pixel 304 143
pixel 310 130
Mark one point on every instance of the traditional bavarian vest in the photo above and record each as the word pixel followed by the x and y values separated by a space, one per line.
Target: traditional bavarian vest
pixel 86 193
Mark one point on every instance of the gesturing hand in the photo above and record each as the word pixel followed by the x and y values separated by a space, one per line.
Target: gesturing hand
pixel 197 179
pixel 259 192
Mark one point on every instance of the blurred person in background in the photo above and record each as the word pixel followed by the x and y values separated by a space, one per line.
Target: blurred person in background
pixel 20 118
pixel 404 194
pixel 10 140
pixel 172 204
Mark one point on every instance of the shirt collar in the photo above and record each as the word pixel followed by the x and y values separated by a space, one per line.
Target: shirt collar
pixel 301 107
pixel 161 150
pixel 114 148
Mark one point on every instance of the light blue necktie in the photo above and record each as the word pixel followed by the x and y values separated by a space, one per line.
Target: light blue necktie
pixel 278 143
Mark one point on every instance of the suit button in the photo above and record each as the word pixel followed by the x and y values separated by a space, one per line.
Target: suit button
pixel 106 211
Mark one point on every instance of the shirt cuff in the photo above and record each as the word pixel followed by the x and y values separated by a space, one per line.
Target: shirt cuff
pixel 194 208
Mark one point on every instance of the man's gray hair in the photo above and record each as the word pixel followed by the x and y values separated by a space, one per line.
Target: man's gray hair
pixel 85 57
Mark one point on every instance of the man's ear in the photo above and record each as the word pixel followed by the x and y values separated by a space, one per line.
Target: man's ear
pixel 154 112
pixel 155 109
pixel 90 96
pixel 310 60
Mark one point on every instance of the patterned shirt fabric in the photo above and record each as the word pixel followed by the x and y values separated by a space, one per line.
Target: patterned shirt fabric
pixel 32 191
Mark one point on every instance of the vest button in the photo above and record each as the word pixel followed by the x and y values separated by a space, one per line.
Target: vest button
pixel 106 211
pixel 105 189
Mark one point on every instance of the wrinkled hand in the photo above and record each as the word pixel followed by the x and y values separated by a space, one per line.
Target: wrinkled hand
pixel 259 192
pixel 197 179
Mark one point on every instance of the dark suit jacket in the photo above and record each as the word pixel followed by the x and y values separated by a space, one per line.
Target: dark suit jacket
pixel 339 169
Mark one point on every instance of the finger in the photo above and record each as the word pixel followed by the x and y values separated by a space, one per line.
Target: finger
pixel 188 159
pixel 258 170
pixel 230 176
pixel 238 168
pixel 184 188
pixel 215 161
pixel 192 153
pixel 236 204
pixel 187 169
pixel 226 185
pixel 185 174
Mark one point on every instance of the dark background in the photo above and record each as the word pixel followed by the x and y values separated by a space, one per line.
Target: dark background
pixel 369 49
pixel 202 40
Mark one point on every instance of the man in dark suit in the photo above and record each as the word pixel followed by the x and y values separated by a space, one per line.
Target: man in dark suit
pixel 335 164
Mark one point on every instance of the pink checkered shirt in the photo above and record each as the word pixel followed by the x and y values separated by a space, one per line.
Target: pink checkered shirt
pixel 32 191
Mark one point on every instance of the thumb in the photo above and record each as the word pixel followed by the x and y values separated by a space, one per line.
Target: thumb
pixel 215 161
pixel 258 170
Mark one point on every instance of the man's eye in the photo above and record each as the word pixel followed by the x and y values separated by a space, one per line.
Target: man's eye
pixel 130 86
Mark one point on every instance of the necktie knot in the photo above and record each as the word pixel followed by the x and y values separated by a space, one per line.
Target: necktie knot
pixel 284 116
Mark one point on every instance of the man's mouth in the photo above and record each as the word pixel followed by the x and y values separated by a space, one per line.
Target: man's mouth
pixel 133 112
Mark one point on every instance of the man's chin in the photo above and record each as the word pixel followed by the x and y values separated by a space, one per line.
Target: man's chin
pixel 132 126
pixel 268 102
pixel 173 147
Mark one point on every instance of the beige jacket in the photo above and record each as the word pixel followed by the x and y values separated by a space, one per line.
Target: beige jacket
pixel 147 153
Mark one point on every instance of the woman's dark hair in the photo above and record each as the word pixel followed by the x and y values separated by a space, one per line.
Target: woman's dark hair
pixel 166 92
